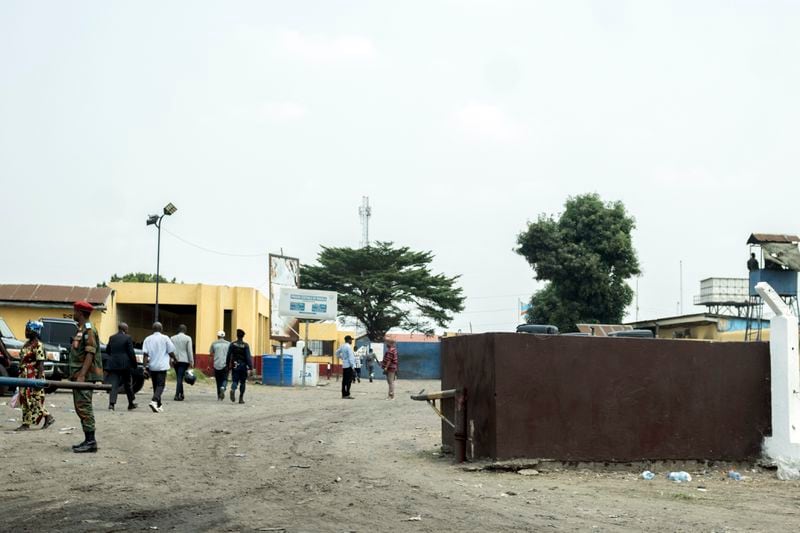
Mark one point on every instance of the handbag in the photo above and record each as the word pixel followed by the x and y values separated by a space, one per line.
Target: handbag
pixel 14 403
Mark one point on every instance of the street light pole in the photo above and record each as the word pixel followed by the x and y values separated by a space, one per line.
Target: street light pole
pixel 158 263
pixel 155 220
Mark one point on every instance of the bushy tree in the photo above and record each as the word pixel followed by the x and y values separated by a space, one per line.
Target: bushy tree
pixel 586 255
pixel 384 287
pixel 137 277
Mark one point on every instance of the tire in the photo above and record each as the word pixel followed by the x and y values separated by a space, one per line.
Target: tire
pixel 137 382
pixel 3 374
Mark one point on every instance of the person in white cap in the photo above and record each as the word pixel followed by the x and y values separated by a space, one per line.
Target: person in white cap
pixel 219 350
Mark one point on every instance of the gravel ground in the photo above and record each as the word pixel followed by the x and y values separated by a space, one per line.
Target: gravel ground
pixel 304 460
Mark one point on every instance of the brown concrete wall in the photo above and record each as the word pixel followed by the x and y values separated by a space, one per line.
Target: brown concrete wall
pixel 606 399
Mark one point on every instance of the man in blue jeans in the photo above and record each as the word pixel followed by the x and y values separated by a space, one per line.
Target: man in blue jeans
pixel 348 357
pixel 240 361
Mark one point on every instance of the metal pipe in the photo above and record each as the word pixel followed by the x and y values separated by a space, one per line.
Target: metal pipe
pixel 43 383
pixel 459 424
pixel 438 395
pixel 460 429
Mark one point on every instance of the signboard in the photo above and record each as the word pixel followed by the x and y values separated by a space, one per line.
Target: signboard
pixel 307 304
pixel 284 272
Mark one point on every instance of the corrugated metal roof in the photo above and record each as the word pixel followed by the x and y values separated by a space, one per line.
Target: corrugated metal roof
pixel 62 294
pixel 763 238
pixel 601 330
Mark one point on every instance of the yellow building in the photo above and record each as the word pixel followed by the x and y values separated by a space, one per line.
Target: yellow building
pixel 20 303
pixel 324 338
pixel 204 309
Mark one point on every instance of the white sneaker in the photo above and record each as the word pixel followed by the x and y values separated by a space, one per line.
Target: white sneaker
pixel 161 408
pixel 154 407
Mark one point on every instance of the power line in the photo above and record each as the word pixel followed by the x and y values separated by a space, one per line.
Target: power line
pixel 209 250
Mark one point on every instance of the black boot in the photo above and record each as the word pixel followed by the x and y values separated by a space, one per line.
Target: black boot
pixel 88 445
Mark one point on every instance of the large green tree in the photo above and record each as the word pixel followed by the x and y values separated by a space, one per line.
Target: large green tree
pixel 384 287
pixel 140 277
pixel 586 255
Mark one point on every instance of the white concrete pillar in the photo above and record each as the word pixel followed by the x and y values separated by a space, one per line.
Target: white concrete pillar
pixel 783 447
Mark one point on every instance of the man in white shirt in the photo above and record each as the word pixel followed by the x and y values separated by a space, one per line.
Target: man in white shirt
pixel 158 350
pixel 345 353
pixel 184 359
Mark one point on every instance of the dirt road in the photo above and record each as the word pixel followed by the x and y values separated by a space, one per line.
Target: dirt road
pixel 305 460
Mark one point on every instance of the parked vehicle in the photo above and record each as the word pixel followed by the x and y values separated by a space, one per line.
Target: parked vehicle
pixel 13 345
pixel 57 336
pixel 9 367
pixel 540 329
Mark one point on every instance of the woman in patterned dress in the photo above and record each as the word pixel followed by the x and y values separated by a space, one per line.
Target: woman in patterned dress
pixel 31 365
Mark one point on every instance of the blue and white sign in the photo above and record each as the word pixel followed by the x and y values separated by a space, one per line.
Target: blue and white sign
pixel 308 304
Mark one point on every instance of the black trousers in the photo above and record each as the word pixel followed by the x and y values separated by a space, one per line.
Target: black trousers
pixel 180 371
pixel 347 379
pixel 159 379
pixel 221 377
pixel 123 378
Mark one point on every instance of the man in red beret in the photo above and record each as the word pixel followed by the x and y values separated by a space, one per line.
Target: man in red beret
pixel 85 364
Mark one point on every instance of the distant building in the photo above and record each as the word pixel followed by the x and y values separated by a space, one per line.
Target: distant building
pixel 20 303
pixel 703 326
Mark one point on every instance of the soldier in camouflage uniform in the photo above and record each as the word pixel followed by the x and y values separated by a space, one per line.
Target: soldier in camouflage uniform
pixel 85 364
pixel 31 366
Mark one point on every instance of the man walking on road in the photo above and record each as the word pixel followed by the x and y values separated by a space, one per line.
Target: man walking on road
pixel 219 351
pixel 184 359
pixel 121 361
pixel 158 350
pixel 85 364
pixel 240 361
pixel 389 365
pixel 370 361
pixel 345 353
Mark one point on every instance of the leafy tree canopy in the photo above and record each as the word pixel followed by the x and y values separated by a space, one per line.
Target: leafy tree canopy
pixel 139 277
pixel 386 287
pixel 585 254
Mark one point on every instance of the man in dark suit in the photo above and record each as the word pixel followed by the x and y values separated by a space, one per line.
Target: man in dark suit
pixel 121 361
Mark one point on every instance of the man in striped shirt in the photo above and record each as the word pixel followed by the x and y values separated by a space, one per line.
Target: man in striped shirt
pixel 389 365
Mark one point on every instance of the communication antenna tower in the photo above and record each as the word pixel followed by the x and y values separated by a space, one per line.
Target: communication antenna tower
pixel 364 212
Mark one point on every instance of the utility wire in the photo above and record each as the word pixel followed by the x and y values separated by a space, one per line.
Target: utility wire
pixel 209 250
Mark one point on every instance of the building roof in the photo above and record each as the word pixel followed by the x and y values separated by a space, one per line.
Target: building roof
pixel 412 337
pixel 53 294
pixel 687 320
pixel 765 238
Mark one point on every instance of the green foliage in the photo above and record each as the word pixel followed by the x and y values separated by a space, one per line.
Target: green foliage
pixel 386 287
pixel 586 254
pixel 137 277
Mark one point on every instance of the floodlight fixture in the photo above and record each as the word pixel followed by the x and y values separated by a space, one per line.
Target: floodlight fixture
pixel 155 220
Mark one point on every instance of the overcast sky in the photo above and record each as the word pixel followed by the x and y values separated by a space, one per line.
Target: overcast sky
pixel 266 122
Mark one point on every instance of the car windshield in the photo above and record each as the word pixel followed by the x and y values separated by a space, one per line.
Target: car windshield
pixel 58 333
pixel 5 331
